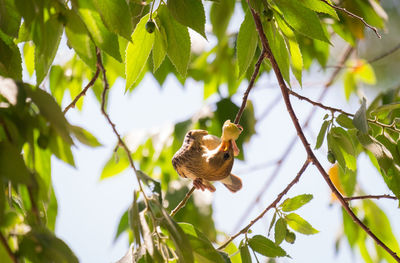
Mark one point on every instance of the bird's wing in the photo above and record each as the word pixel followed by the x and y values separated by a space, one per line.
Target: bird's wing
pixel 211 141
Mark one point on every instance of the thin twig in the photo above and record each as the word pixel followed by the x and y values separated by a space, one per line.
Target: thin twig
pixel 249 87
pixel 272 205
pixel 310 153
pixel 292 143
pixel 120 141
pixel 183 202
pixel 83 92
pixel 8 249
pixel 350 198
pixel 354 16
pixel 397 47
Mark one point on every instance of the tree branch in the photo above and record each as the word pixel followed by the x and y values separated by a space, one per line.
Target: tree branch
pixel 351 198
pixel 83 92
pixel 183 202
pixel 354 16
pixel 250 86
pixel 310 153
pixel 272 205
pixel 8 249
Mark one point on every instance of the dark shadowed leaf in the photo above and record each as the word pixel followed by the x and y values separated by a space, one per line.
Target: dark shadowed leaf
pixel 266 247
pixel 10 58
pixel 12 165
pixel 360 118
pixel 344 121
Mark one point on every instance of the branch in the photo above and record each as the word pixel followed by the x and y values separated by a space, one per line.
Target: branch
pixel 385 54
pixel 310 153
pixel 8 249
pixel 354 16
pixel 351 198
pixel 183 202
pixel 250 86
pixel 272 205
pixel 120 141
pixel 83 92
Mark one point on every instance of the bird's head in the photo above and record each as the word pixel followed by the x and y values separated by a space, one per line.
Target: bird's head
pixel 195 135
pixel 222 158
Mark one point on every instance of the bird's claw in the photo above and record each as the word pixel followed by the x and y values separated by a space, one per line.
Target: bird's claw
pixel 198 184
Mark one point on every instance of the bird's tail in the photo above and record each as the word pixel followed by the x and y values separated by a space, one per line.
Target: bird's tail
pixel 233 183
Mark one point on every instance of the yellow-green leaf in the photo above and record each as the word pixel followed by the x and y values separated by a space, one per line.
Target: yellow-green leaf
pixel 246 43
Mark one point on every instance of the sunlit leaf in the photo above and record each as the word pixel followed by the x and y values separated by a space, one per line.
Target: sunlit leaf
pixel 29 57
pixel 280 230
pixel 266 247
pixel 320 7
pixel 300 225
pixel 84 136
pixel 246 43
pixel 294 203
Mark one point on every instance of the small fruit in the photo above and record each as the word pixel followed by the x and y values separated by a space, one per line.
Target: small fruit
pixel 268 14
pixel 230 131
pixel 290 237
pixel 43 141
pixel 150 26
pixel 331 157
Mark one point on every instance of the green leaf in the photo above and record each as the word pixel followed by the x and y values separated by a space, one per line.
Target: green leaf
pixel 272 223
pixel 364 72
pixel 220 15
pixel 46 37
pixel 344 121
pixel 116 15
pixel 61 149
pixel 123 225
pixel 10 58
pixel 138 52
pixel 245 254
pixel 12 164
pixel 266 247
pixel 340 143
pixel 320 7
pixel 300 225
pixel 84 136
pixel 10 19
pixel 51 111
pixel 159 48
pixel 302 19
pixel 178 39
pixel 351 230
pixel 246 43
pixel 79 39
pixel 296 59
pixel 386 108
pixel 279 49
pixel 360 118
pixel 117 163
pixel 202 248
pixel 280 230
pixel 294 203
pixel 349 84
pixel 40 245
pixel 321 134
pixel 189 13
pixel 29 57
pixel 102 37
pixel 134 218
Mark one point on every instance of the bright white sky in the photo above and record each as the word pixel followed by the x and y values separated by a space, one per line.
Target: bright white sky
pixel 89 210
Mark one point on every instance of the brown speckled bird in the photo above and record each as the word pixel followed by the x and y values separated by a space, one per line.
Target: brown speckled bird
pixel 204 158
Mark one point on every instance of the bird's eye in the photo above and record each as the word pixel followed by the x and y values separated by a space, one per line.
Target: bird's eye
pixel 189 133
pixel 226 156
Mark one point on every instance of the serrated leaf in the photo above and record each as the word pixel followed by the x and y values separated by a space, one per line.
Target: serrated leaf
pixel 29 57
pixel 102 37
pixel 51 111
pixel 116 15
pixel 321 134
pixel 245 254
pixel 138 52
pixel 320 7
pixel 302 19
pixel 84 136
pixel 280 230
pixel 178 39
pixel 266 247
pixel 10 58
pixel 159 48
pixel 12 164
pixel 360 118
pixel 79 39
pixel 298 224
pixel 246 43
pixel 279 49
pixel 189 13
pixel 294 203
pixel 202 248
pixel 344 121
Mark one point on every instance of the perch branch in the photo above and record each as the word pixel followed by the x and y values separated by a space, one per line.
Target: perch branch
pixel 310 153
pixel 397 47
pixel 83 92
pixel 120 141
pixel 354 16
pixel 8 249
pixel 183 202
pixel 272 205
pixel 292 143
pixel 351 198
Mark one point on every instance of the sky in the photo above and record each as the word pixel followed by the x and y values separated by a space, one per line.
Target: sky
pixel 89 209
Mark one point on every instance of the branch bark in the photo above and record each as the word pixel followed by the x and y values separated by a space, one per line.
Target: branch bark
pixel 310 153
pixel 351 198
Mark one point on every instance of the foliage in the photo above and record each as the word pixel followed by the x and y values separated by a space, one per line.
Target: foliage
pixel 128 39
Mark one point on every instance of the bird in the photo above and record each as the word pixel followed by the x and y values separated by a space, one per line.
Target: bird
pixel 205 158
